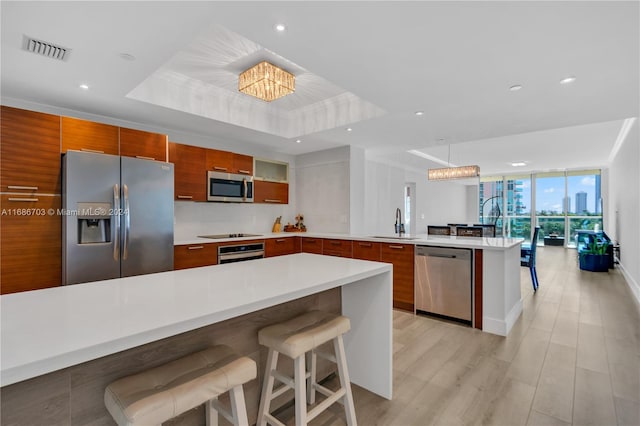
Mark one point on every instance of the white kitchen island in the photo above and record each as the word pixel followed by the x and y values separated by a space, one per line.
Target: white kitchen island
pixel 45 331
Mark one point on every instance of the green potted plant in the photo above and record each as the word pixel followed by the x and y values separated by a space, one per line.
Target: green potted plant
pixel 595 257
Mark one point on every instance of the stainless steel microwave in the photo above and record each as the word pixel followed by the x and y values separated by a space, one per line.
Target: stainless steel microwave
pixel 229 187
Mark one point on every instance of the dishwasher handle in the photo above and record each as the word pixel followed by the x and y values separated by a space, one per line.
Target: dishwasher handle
pixel 446 256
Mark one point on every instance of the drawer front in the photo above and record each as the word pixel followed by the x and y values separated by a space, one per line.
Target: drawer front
pixel 366 250
pixel 279 246
pixel 195 255
pixel 312 245
pixel 341 248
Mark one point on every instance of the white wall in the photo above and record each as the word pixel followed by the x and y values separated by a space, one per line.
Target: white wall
pixel 624 207
pixel 323 189
pixel 437 203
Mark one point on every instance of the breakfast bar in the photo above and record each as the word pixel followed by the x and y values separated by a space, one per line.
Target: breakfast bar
pixel 49 335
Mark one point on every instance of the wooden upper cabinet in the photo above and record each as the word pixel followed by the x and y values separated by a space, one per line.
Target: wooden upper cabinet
pixel 31 249
pixel 83 135
pixel 243 164
pixel 190 173
pixel 219 161
pixel 229 162
pixel 270 192
pixel 29 152
pixel 141 144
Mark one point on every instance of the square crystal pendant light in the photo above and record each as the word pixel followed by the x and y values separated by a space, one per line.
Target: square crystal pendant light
pixel 266 81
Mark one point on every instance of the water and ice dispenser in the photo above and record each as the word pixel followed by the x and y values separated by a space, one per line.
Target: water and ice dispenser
pixel 94 223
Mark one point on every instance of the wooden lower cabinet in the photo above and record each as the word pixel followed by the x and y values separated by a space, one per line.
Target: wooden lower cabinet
pixel 31 249
pixel 366 250
pixel 311 245
pixel 281 246
pixel 195 255
pixel 270 192
pixel 341 248
pixel 402 258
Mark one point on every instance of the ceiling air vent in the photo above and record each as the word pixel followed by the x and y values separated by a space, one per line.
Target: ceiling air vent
pixel 44 48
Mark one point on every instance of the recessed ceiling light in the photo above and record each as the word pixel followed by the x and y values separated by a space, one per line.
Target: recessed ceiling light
pixel 567 80
pixel 349 129
pixel 84 86
pixel 127 56
pixel 518 164
pixel 298 140
pixel 280 27
pixel 515 87
pixel 419 112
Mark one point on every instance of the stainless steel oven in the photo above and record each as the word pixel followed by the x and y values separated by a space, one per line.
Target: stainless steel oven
pixel 240 252
pixel 229 187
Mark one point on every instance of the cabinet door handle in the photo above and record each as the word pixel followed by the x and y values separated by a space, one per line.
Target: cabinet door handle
pixel 336 243
pixel 245 172
pixel 365 244
pixel 280 240
pixel 31 200
pixel 195 247
pixel 224 169
pixel 310 241
pixel 92 150
pixel 267 200
pixel 396 247
pixel 145 158
pixel 185 197
pixel 26 188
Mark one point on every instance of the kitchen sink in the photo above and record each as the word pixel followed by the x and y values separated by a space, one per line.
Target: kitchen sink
pixel 394 237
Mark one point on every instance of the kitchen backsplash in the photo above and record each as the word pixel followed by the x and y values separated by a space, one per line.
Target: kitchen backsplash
pixel 194 218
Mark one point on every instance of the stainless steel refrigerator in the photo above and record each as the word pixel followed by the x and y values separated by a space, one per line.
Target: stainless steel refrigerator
pixel 118 217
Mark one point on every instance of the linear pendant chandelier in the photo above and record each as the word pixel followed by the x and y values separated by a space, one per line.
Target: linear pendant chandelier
pixel 266 81
pixel 454 173
pixel 447 173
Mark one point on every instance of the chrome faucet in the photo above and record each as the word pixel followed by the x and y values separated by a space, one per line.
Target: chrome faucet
pixel 399 224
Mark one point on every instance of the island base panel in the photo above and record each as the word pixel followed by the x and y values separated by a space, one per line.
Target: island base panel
pixel 75 395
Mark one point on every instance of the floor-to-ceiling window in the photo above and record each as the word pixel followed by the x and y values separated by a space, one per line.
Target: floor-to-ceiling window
pixel 551 206
pixel 491 206
pixel 584 187
pixel 518 209
pixel 559 202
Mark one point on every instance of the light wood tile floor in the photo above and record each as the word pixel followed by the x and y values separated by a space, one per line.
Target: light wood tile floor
pixel 572 358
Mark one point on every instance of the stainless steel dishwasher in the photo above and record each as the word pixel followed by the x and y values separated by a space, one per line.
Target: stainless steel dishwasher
pixel 443 282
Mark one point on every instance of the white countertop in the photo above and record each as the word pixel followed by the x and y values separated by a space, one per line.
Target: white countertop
pixel 420 239
pixel 46 330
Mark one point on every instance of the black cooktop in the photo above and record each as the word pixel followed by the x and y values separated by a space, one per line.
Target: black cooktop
pixel 221 236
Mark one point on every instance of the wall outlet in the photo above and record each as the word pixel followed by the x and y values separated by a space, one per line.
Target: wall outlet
pixel 343 218
pixel 422 216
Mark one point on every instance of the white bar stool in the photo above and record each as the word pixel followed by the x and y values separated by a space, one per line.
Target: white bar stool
pixel 294 338
pixel 162 393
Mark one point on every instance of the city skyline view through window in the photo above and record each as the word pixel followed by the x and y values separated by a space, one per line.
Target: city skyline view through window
pixel 564 202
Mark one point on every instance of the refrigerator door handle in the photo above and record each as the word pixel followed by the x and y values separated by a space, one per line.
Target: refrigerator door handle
pixel 116 219
pixel 127 223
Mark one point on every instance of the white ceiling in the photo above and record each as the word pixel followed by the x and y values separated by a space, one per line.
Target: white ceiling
pixel 453 60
